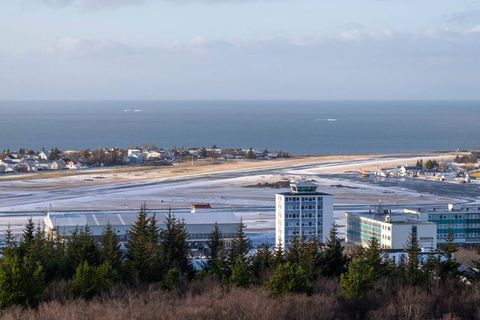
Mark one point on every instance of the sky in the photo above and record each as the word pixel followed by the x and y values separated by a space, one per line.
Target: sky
pixel 239 49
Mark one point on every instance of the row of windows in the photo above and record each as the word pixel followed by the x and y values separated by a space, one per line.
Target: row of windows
pixel 303 199
pixel 304 224
pixel 451 226
pixel 304 233
pixel 384 237
pixel 207 235
pixel 303 207
pixel 304 215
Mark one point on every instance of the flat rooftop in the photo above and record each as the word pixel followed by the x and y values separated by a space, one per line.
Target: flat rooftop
pixel 73 219
pixel 395 217
pixel 304 193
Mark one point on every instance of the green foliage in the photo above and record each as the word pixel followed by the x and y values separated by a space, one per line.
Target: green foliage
pixel 333 260
pixel 172 279
pixel 217 256
pixel 448 267
pixel 174 246
pixel 89 281
pixel 365 269
pixel 110 249
pixel 413 273
pixel 288 278
pixel 9 241
pixel 143 258
pixel 82 247
pixel 240 245
pixel 306 254
pixel 359 278
pixel 262 262
pixel 21 282
pixel 241 273
pixel 431 164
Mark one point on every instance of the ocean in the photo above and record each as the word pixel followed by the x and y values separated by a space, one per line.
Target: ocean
pixel 299 127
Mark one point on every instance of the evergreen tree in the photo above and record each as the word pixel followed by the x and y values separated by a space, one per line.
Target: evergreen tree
pixel 21 282
pixel 333 260
pixel 82 247
pixel 140 265
pixel 9 241
pixel 89 281
pixel 294 252
pixel 359 279
pixel 174 246
pixel 449 266
pixel 375 258
pixel 241 272
pixel 262 262
pixel 28 236
pixel 413 272
pixel 110 249
pixel 310 257
pixel 240 244
pixel 216 251
pixel 278 256
pixel 288 278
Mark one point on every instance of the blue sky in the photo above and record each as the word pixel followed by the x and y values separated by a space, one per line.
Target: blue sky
pixel 239 49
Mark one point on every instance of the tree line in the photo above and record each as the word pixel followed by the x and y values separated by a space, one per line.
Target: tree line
pixel 153 256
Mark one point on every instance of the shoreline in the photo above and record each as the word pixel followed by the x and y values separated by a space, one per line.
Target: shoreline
pixel 184 169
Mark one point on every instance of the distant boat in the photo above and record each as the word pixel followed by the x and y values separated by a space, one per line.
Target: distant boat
pixel 331 120
pixel 137 110
pixel 126 110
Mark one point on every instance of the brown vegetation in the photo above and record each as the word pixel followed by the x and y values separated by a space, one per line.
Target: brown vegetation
pixel 207 299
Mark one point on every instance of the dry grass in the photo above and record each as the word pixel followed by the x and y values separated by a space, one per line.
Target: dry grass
pixel 208 300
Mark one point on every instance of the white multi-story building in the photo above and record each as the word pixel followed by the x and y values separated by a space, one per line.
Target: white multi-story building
pixel 302 212
pixel 391 229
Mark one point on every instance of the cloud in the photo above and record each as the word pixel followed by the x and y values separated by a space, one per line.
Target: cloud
pixel 438 64
pixel 475 29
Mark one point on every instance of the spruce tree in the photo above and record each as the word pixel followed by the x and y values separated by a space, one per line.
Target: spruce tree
pixel 413 272
pixel 216 252
pixel 110 249
pixel 174 246
pixel 138 264
pixel 21 282
pixel 359 278
pixel 449 266
pixel 278 256
pixel 240 244
pixel 82 247
pixel 262 262
pixel 10 245
pixel 333 259
pixel 28 236
pixel 287 279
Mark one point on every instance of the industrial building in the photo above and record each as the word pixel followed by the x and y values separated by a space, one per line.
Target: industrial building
pixel 198 223
pixel 302 212
pixel 391 229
